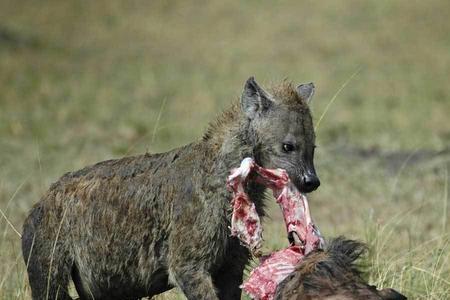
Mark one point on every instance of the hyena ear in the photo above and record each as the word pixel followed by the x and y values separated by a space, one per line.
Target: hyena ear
pixel 254 99
pixel 306 92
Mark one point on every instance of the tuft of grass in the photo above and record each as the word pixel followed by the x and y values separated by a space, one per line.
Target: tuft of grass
pixel 10 224
pixel 334 97
pixel 419 269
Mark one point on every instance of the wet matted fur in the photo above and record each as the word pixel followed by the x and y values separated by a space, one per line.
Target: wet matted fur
pixel 332 274
pixel 137 226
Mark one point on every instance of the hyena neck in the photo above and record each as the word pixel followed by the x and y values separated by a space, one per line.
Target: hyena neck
pixel 238 144
pixel 231 139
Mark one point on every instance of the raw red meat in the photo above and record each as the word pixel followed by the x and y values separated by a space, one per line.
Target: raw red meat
pixel 245 224
pixel 264 279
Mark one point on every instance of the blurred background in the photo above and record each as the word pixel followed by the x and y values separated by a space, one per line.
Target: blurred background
pixel 85 81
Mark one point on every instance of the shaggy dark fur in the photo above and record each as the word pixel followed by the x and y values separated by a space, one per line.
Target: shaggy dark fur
pixel 138 226
pixel 332 274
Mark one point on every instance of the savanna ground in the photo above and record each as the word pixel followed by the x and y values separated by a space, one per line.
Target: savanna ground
pixel 84 81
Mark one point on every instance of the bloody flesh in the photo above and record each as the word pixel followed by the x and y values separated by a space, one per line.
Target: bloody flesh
pixel 245 224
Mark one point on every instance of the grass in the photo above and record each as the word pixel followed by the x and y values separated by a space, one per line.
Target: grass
pixel 82 82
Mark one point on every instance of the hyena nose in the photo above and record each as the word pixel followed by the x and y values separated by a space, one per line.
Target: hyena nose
pixel 310 182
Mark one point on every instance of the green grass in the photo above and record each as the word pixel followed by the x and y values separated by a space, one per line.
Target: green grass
pixel 82 82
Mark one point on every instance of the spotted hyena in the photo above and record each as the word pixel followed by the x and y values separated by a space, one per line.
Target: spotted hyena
pixel 137 226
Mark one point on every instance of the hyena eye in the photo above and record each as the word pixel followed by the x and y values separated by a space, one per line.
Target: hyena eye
pixel 287 147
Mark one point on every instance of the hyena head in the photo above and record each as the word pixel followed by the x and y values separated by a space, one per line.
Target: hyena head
pixel 281 123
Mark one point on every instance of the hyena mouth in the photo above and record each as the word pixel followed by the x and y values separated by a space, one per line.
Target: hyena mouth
pixel 303 235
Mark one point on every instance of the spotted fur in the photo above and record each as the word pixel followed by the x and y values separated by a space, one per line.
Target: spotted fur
pixel 137 226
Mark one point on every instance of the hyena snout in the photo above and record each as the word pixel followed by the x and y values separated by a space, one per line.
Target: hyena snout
pixel 306 181
pixel 309 182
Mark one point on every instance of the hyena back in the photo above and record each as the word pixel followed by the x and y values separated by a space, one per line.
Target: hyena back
pixel 138 226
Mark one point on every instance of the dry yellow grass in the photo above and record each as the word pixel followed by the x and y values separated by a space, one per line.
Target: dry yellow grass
pixel 82 82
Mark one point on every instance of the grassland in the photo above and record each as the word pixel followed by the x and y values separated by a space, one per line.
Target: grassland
pixel 87 81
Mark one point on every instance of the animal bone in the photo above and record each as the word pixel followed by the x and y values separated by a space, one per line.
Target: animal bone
pixel 245 224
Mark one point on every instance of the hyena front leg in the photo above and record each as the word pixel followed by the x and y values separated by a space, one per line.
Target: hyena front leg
pixel 194 282
pixel 193 247
pixel 228 277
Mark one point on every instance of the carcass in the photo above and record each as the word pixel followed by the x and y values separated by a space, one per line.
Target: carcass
pixel 306 269
pixel 245 224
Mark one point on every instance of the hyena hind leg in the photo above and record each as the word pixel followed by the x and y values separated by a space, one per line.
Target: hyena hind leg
pixel 39 256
